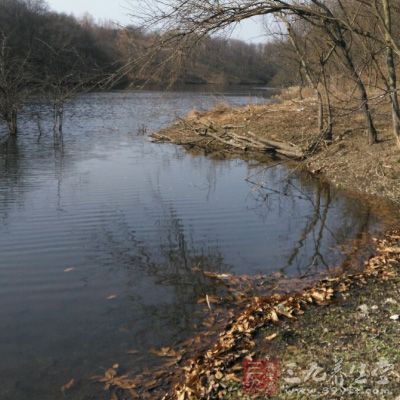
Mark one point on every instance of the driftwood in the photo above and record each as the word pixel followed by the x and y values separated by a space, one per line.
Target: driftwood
pixel 255 144
pixel 285 148
pixel 219 137
pixel 158 137
pixel 251 142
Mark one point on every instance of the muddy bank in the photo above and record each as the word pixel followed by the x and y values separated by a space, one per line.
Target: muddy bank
pixel 289 128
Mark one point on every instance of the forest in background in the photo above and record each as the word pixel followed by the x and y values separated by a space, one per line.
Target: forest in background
pixel 51 43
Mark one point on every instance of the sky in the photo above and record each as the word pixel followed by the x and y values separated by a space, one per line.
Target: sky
pixel 118 10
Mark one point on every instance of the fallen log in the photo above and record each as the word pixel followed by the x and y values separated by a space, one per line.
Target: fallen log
pixel 229 142
pixel 285 148
pixel 256 145
pixel 158 137
pixel 251 142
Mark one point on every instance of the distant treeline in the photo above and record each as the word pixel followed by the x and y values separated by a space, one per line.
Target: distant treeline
pixel 59 46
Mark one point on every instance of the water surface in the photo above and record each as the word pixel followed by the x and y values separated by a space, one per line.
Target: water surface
pixel 99 237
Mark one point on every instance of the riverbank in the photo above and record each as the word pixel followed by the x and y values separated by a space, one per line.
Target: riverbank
pixel 337 340
pixel 348 350
pixel 349 162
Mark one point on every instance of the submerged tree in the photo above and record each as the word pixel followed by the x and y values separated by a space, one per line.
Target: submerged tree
pixel 14 84
pixel 65 75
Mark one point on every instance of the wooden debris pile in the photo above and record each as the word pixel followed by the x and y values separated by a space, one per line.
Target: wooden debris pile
pixel 236 137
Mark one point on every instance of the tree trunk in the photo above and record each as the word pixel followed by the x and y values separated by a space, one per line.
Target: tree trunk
pixel 12 123
pixel 308 73
pixel 337 36
pixel 328 135
pixel 392 77
pixel 58 118
pixel 372 133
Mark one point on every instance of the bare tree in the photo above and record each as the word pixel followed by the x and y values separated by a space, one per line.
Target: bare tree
pixel 66 74
pixel 315 75
pixel 390 60
pixel 14 83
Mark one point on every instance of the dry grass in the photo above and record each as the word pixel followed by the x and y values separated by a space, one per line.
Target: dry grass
pixel 350 162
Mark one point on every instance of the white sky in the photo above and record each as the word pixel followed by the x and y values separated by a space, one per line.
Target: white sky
pixel 118 10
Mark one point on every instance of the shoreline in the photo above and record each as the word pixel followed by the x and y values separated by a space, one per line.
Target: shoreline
pixel 348 163
pixel 280 327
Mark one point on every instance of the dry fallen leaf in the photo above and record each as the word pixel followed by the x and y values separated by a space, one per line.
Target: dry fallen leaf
pixel 391 250
pixel 165 352
pixel 219 375
pixel 233 377
pixel 110 374
pixel 112 380
pixel 271 337
pixel 68 385
pixel 318 295
pixel 274 316
pixel 282 309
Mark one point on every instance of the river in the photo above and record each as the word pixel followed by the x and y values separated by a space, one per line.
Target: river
pixel 101 238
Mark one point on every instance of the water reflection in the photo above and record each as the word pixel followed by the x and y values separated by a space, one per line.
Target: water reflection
pixel 321 228
pixel 172 264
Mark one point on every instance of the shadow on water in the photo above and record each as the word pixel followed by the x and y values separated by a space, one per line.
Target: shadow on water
pixel 103 241
pixel 10 169
pixel 320 225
